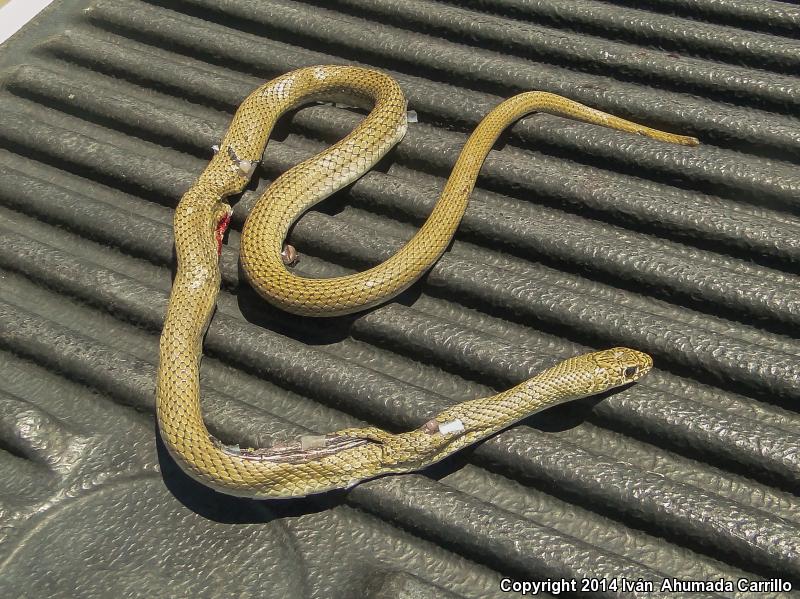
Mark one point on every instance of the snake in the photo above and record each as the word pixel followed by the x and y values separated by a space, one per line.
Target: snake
pixel 316 463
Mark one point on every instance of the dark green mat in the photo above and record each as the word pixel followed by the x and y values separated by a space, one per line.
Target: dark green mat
pixel 577 237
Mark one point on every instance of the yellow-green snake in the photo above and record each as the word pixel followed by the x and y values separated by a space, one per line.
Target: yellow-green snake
pixel 313 464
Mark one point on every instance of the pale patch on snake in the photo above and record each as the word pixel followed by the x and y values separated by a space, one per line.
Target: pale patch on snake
pixel 318 463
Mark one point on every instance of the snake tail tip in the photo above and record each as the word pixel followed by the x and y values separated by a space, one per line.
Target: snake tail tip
pixel 687 140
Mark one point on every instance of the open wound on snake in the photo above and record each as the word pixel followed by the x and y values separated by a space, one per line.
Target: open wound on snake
pixel 310 447
pixel 246 168
pixel 222 225
pixel 307 447
pixel 316 463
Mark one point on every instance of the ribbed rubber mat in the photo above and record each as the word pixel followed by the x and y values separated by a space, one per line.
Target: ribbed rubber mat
pixel 577 237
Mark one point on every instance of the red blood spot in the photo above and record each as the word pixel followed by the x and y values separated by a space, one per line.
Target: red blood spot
pixel 219 232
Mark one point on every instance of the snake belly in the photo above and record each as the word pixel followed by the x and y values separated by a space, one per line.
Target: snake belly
pixel 318 463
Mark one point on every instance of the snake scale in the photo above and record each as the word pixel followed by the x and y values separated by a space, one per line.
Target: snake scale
pixel 317 463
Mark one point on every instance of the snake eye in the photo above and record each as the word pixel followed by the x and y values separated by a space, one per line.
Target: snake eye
pixel 631 371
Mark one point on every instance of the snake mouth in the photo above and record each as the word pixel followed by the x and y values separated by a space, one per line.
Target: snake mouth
pixel 631 364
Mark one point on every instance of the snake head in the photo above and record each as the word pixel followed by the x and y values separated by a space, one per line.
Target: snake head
pixel 621 365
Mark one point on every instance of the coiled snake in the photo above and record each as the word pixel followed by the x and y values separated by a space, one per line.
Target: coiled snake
pixel 341 459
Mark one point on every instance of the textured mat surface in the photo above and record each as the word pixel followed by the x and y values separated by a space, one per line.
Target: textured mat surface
pixel 577 237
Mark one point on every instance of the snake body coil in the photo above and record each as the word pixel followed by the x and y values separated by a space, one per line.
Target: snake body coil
pixel 343 458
